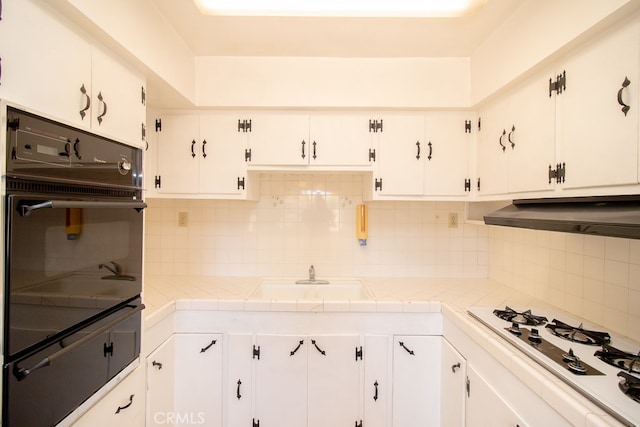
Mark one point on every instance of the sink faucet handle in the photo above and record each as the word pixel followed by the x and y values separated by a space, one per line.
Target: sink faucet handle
pixel 117 267
pixel 312 273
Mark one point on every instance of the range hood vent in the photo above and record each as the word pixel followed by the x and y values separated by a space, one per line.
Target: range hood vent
pixel 615 216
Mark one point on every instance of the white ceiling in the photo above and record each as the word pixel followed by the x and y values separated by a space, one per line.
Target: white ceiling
pixel 333 37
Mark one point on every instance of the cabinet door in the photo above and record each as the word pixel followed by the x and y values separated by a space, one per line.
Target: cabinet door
pixel 198 383
pixel 484 406
pixel 530 137
pixel 599 143
pixel 117 106
pixel 400 166
pixel 44 63
pixel 178 159
pixel 239 392
pixel 493 161
pixel 377 390
pixel 279 139
pixel 339 140
pixel 452 386
pixel 124 405
pixel 416 381
pixel 446 154
pixel 281 381
pixel 334 381
pixel 161 372
pixel 221 153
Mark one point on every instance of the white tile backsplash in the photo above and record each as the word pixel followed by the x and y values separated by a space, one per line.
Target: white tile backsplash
pixel 304 219
pixel 597 278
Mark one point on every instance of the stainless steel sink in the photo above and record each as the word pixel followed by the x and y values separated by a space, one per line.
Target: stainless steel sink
pixel 326 290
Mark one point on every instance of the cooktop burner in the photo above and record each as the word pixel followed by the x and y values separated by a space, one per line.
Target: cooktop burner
pixel 621 359
pixel 630 385
pixel 578 334
pixel 522 318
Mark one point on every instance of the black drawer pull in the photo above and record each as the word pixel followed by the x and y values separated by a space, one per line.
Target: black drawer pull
pixel 121 408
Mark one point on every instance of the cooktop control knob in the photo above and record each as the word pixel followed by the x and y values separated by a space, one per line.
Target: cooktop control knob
pixel 124 166
pixel 515 329
pixel 534 336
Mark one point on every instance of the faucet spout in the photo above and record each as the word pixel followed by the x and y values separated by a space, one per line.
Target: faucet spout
pixel 117 272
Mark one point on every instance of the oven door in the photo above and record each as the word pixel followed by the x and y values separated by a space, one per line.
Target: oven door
pixel 67 262
pixel 44 387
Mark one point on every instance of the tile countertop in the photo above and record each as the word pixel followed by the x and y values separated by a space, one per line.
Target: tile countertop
pixel 166 294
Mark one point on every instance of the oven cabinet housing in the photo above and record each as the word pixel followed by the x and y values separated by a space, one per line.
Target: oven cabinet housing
pixel 307 380
pixel 50 68
pixel 200 154
pixel 184 381
pixel 124 405
pixel 422 155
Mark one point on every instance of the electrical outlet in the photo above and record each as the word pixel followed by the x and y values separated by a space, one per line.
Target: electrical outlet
pixel 453 220
pixel 183 219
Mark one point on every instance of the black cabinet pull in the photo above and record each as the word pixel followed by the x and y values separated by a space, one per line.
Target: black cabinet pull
pixel 418 154
pixel 504 132
pixel 295 350
pixel 193 144
pixel 406 349
pixel 204 153
pixel 238 395
pixel 314 150
pixel 121 408
pixel 76 146
pixel 303 144
pixel 211 344
pixel 454 367
pixel 87 104
pixel 322 352
pixel 513 129
pixel 156 364
pixel 375 395
pixel 104 112
pixel 625 108
pixel 430 150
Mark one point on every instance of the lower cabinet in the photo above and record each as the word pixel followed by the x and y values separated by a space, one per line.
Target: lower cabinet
pixel 485 407
pixel 184 381
pixel 123 406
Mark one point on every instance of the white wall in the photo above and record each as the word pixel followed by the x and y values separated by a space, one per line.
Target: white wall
pixel 310 219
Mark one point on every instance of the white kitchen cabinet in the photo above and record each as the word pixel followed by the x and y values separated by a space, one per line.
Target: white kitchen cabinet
pixel 184 381
pixel 416 381
pixel 599 143
pixel 516 143
pixel 239 387
pixel 485 407
pixel 161 382
pixel 276 139
pixel 446 153
pixel 47 67
pixel 453 368
pixel 400 152
pixel 307 381
pixel 200 154
pixel 377 384
pixel 118 105
pixel 340 140
pixel 124 405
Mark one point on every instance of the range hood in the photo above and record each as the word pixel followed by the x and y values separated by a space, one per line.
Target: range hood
pixel 615 216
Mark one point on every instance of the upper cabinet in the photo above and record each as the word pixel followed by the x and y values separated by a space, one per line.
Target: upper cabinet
pixel 51 69
pixel 423 155
pixel 340 140
pixel 599 112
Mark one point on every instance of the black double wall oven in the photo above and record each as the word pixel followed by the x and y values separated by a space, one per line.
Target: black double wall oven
pixel 72 268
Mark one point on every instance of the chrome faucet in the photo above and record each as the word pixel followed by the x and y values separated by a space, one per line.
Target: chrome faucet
pixel 312 274
pixel 117 272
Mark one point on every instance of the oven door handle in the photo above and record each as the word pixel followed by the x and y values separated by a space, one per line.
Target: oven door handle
pixel 22 373
pixel 26 209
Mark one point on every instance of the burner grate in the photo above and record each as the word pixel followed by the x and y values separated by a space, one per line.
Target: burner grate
pixel 620 359
pixel 522 318
pixel 578 334
pixel 630 385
